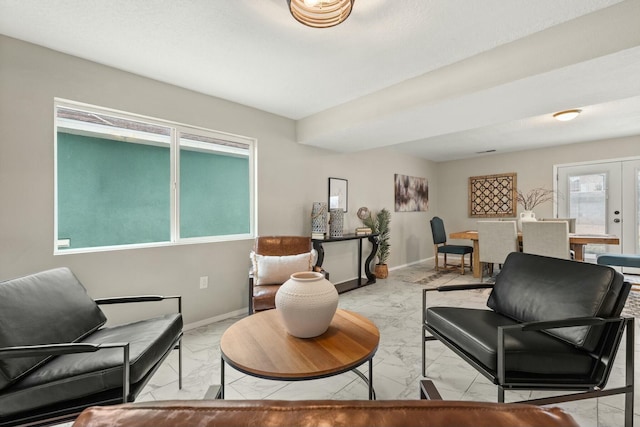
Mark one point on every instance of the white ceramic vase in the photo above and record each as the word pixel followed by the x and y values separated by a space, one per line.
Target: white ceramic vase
pixel 307 303
pixel 526 216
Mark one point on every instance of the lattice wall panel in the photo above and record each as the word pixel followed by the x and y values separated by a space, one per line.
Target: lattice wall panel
pixel 492 196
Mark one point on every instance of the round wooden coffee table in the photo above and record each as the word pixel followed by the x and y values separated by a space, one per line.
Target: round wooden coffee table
pixel 259 345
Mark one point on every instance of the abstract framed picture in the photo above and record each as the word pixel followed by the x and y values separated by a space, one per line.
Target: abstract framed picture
pixel 493 196
pixel 411 193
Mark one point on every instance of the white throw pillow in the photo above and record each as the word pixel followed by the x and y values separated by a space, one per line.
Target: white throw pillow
pixel 269 270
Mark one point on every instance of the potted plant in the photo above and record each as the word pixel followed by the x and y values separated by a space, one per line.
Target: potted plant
pixel 380 224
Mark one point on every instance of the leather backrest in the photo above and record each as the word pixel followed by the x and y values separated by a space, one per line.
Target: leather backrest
pixel 536 288
pixel 437 231
pixel 282 245
pixel 352 413
pixel 50 307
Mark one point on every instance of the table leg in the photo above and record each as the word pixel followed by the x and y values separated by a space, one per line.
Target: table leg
pixel 371 278
pixel 369 381
pixel 320 250
pixel 371 392
pixel 221 394
pixel 578 249
pixel 476 259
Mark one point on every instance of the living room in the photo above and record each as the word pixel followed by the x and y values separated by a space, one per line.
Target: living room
pixel 290 177
pixel 33 76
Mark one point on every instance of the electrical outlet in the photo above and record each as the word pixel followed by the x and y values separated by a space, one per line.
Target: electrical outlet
pixel 204 282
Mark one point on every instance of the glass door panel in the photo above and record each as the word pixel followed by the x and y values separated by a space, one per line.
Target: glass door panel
pixel 592 195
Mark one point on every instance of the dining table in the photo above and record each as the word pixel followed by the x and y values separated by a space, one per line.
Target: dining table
pixel 577 242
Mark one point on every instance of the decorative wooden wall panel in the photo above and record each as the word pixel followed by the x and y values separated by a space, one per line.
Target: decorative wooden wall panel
pixel 492 196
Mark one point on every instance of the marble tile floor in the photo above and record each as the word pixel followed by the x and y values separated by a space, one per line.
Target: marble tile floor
pixel 394 304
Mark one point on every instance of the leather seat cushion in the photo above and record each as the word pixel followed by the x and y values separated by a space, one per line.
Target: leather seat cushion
pixel 475 332
pixel 455 249
pixel 264 297
pixel 74 376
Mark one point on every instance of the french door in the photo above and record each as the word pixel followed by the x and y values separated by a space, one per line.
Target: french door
pixel 605 199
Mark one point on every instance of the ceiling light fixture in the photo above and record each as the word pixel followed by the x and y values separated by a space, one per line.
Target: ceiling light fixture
pixel 320 13
pixel 565 116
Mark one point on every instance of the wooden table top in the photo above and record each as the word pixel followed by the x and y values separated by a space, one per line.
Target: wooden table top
pixel 259 345
pixel 574 238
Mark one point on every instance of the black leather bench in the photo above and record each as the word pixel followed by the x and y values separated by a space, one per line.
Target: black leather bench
pixel 57 357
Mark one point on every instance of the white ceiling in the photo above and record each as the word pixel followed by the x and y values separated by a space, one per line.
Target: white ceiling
pixel 439 79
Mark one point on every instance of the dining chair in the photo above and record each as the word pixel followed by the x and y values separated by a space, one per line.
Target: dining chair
pixel 547 238
pixel 570 221
pixel 496 240
pixel 440 246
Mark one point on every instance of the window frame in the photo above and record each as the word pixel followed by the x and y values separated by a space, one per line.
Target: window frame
pixel 176 129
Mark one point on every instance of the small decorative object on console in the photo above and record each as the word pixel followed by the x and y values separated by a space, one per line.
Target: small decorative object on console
pixel 318 219
pixel 336 222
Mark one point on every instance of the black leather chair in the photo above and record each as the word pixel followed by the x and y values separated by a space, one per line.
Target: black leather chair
pixel 553 324
pixel 57 357
pixel 441 247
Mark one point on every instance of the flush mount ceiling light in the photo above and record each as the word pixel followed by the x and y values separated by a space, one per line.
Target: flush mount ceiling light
pixel 320 13
pixel 565 116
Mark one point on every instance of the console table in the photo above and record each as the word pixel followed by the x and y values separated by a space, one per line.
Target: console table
pixel 355 283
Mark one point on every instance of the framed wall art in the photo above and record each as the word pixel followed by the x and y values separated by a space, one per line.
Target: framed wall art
pixel 411 193
pixel 493 196
pixel 338 194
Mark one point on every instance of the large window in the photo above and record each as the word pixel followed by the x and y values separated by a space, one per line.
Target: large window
pixel 124 180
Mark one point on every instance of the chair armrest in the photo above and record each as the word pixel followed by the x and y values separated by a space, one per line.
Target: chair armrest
pixel 71 348
pixel 543 325
pixel 561 323
pixel 54 349
pixel 449 288
pixel 139 298
pixel 464 287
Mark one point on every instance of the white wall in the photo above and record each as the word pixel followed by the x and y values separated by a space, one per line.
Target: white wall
pixel 290 177
pixel 534 168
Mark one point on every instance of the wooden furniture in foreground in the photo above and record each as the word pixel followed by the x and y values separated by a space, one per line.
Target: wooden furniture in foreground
pixel 259 345
pixel 355 283
pixel 576 241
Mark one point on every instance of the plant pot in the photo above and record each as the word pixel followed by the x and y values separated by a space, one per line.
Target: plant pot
pixel 381 271
pixel 526 216
pixel 307 303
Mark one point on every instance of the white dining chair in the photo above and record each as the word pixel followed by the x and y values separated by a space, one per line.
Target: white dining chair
pixel 496 240
pixel 570 221
pixel 548 238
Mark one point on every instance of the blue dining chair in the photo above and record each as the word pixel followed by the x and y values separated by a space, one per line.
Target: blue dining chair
pixel 440 246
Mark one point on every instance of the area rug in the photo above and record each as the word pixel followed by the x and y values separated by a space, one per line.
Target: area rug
pixel 430 277
pixel 632 307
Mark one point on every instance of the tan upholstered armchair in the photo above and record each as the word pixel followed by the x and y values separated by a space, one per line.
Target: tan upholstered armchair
pixel 274 259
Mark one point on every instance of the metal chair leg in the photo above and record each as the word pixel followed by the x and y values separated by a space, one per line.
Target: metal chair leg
pixel 180 364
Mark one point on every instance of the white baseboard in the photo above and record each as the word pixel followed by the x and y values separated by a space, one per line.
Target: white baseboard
pixel 210 320
pixel 411 263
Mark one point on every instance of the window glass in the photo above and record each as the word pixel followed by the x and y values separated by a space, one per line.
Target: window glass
pixel 214 187
pixel 117 181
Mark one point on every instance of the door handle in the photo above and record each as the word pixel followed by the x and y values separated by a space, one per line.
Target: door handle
pixel 616 220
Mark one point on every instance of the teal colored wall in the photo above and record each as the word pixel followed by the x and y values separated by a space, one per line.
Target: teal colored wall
pixel 214 194
pixel 116 193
